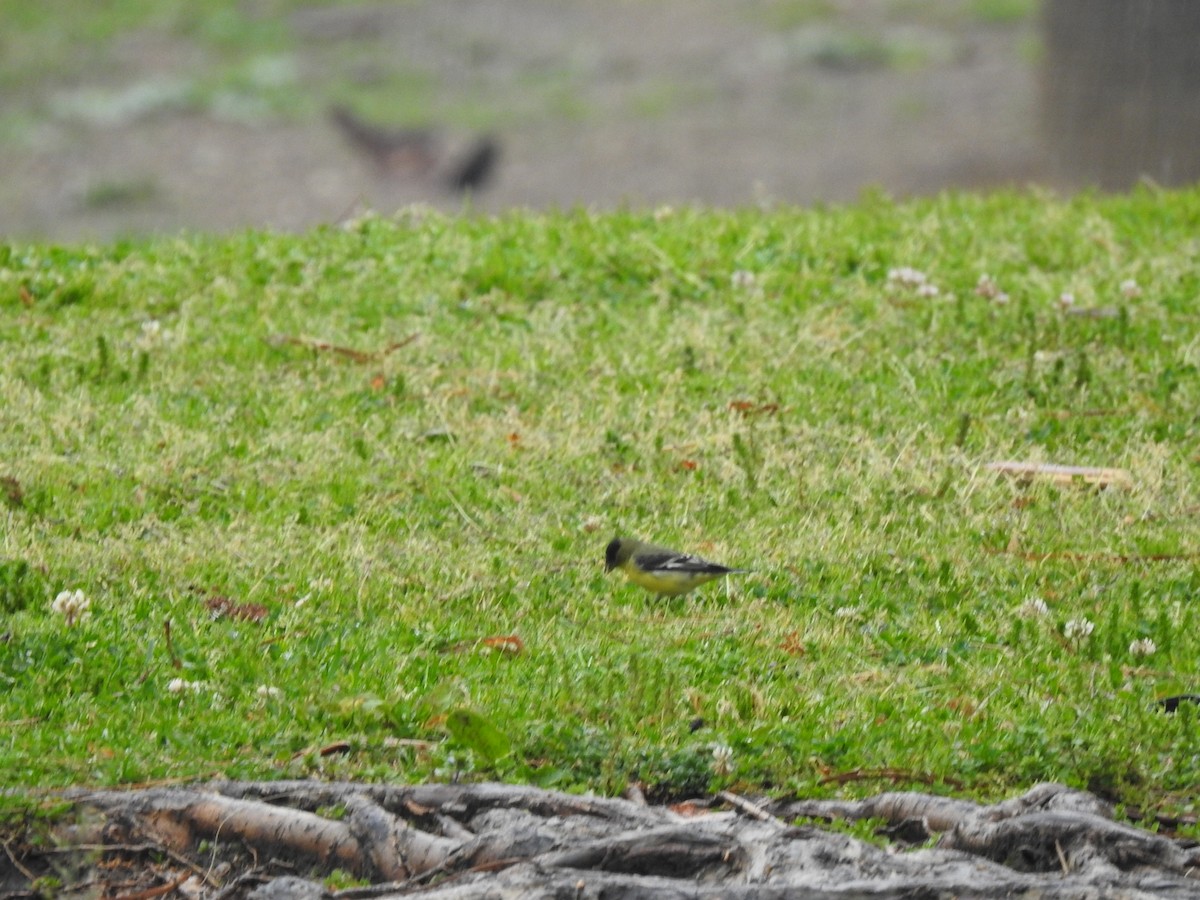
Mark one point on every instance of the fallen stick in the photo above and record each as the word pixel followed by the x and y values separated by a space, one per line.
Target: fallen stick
pixel 1060 474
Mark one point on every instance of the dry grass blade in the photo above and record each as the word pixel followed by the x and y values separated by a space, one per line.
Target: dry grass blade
pixel 358 356
pixel 1097 476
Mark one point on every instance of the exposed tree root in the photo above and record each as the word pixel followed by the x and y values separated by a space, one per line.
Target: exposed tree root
pixel 270 840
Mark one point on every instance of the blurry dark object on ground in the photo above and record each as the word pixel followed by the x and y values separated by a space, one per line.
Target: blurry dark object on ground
pixel 398 151
pixel 419 152
pixel 1121 91
pixel 475 168
pixel 1171 704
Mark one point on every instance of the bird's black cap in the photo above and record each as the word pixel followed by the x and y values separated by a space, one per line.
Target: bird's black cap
pixel 610 554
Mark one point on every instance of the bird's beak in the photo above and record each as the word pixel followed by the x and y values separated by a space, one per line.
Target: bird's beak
pixel 608 567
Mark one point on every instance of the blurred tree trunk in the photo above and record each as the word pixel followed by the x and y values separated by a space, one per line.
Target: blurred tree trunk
pixel 1121 91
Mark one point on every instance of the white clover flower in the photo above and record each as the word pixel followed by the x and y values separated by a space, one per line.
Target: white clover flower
pixel 1066 300
pixel 591 524
pixel 71 605
pixel 1078 629
pixel 743 280
pixel 1142 647
pixel 153 334
pixel 928 290
pixel 1131 288
pixel 907 276
pixel 268 692
pixel 182 685
pixel 987 288
pixel 722 763
pixel 1033 608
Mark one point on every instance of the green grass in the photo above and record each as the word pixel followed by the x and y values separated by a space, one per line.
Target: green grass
pixel 568 377
pixel 1004 12
pixel 784 15
pixel 61 39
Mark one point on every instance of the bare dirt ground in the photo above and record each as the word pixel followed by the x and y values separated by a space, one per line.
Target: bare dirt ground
pixel 631 103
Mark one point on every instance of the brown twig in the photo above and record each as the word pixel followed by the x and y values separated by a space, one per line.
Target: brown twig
pixel 1060 474
pixel 158 891
pixel 1062 858
pixel 358 356
pixel 1087 413
pixel 750 808
pixel 1073 555
pixel 16 863
pixel 175 661
pixel 891 775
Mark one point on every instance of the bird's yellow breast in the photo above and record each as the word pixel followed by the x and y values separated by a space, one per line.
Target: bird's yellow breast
pixel 670 584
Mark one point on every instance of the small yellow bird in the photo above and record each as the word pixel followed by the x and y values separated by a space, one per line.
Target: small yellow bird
pixel 660 570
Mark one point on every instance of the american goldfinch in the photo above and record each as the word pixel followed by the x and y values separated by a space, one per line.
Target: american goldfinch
pixel 661 570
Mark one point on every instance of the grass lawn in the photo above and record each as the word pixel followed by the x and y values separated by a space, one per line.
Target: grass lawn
pixel 350 491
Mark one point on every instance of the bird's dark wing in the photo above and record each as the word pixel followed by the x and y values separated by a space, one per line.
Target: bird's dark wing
pixel 402 151
pixel 475 169
pixel 665 561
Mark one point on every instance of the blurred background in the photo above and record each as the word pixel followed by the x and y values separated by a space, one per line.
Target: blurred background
pixel 123 117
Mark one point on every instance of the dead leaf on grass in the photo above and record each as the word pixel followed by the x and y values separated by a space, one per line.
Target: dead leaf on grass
pixel 749 408
pixel 11 491
pixel 509 644
pixel 793 644
pixel 219 606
